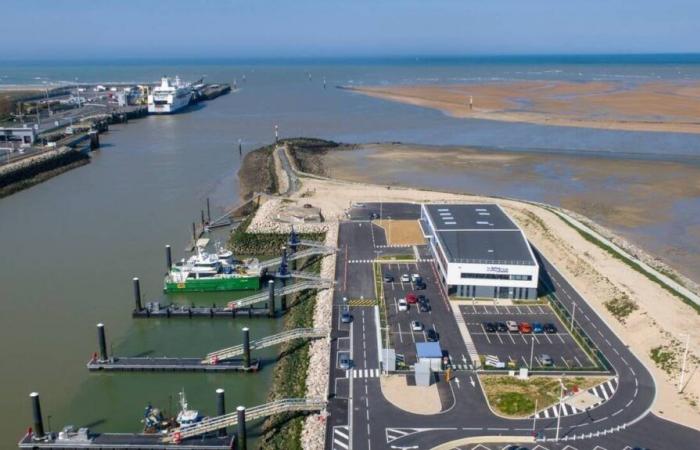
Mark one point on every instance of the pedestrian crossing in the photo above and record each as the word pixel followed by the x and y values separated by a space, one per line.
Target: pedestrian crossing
pixel 393 246
pixel 389 261
pixel 603 391
pixel 341 437
pixel 363 373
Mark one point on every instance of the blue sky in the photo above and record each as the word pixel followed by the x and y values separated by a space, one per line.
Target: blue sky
pixel 78 29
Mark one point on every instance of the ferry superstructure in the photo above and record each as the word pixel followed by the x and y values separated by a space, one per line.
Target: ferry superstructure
pixel 170 96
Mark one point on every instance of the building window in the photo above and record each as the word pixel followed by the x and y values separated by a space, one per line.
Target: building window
pixel 496 276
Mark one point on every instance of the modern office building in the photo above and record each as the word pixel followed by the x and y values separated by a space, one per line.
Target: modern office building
pixel 480 252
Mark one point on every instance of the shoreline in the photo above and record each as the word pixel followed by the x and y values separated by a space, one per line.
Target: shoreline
pixel 453 100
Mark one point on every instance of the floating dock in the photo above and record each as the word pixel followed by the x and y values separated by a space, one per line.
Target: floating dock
pixel 115 441
pixel 158 311
pixel 166 364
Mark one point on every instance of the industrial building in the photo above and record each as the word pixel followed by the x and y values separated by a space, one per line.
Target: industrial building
pixel 480 252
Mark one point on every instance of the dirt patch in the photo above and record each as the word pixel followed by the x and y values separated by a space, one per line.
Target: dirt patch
pixel 402 232
pixel 414 399
pixel 257 173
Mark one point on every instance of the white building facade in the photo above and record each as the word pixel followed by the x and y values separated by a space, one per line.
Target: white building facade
pixel 480 252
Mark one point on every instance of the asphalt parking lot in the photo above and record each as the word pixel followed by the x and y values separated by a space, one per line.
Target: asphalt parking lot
pixel 517 347
pixel 438 318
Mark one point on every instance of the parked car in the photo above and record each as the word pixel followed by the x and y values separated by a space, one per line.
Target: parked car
pixel 388 278
pixel 546 360
pixel 512 326
pixel 432 335
pixel 524 327
pixel 405 278
pixel 490 327
pixel 416 326
pixel 420 285
pixel 550 328
pixel 501 327
pixel 422 299
pixel 537 328
pixel 403 305
pixel 345 363
pixel 411 298
pixel 346 317
pixel 416 278
pixel 424 307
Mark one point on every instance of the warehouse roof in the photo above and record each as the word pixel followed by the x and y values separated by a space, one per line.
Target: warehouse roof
pixel 478 234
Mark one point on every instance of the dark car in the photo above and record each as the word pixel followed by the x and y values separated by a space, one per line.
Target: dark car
pixel 424 307
pixel 388 278
pixel 420 285
pixel 490 327
pixel 422 299
pixel 550 328
pixel 346 317
pixel 373 215
pixel 501 327
pixel 432 335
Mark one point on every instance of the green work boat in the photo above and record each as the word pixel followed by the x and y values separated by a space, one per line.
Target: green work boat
pixel 209 272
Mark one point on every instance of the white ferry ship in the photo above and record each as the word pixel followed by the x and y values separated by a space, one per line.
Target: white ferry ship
pixel 169 97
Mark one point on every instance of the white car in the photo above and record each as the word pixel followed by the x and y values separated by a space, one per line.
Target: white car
pixel 403 305
pixel 416 326
pixel 415 277
pixel 405 278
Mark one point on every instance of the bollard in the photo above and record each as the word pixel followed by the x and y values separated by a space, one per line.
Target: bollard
pixel 94 140
pixel 220 408
pixel 271 297
pixel 168 258
pixel 208 211
pixel 102 341
pixel 202 211
pixel 36 412
pixel 137 294
pixel 283 297
pixel 246 347
pixel 241 438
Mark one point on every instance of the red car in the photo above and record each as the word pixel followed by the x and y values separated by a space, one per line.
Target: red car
pixel 411 298
pixel 524 327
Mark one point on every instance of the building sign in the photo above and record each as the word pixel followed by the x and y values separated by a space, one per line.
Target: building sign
pixel 496 269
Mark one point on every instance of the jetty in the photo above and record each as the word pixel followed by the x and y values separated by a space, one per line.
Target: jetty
pixel 232 359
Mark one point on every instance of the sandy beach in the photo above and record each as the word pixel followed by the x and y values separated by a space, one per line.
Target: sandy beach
pixel 649 203
pixel 653 106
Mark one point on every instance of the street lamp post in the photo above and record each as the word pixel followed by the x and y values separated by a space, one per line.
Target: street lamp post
pixel 573 314
pixel 532 350
pixel 561 395
pixel 534 418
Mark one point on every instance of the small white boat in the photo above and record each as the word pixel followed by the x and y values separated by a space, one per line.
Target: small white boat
pixel 187 417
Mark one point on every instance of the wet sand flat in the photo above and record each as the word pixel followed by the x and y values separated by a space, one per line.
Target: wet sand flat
pixel 652 106
pixel 654 204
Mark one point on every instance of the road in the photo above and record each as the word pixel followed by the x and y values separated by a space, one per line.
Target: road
pixel 359 410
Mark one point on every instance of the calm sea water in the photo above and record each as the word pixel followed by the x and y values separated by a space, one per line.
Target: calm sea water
pixel 71 245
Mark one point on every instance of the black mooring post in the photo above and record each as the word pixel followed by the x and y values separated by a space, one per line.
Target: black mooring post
pixel 137 294
pixel 194 234
pixel 220 408
pixel 168 258
pixel 283 297
pixel 102 341
pixel 241 437
pixel 208 211
pixel 271 297
pixel 202 211
pixel 36 412
pixel 246 347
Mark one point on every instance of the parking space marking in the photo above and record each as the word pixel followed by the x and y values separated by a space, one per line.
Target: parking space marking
pixel 400 333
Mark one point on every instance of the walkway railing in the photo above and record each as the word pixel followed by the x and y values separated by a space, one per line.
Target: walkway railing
pixel 267 341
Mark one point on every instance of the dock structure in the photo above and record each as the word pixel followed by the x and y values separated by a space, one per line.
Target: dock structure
pixel 243 307
pixel 213 424
pixel 83 438
pixel 232 359
pixel 221 362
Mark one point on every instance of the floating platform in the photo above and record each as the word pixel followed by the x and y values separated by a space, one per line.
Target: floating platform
pixel 114 441
pixel 177 311
pixel 167 364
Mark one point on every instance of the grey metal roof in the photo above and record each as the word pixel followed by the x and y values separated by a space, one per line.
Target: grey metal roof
pixel 479 234
pixel 469 217
pixel 486 247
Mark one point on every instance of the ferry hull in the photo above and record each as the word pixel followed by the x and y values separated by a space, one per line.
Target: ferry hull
pixel 214 284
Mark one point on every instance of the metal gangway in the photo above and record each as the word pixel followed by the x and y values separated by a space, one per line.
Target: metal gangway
pixel 267 341
pixel 316 250
pixel 311 282
pixel 212 424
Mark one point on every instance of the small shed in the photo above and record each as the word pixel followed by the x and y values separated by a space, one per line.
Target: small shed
pixel 423 374
pixel 431 353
